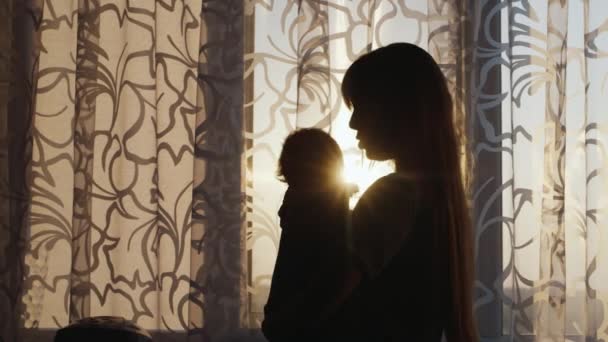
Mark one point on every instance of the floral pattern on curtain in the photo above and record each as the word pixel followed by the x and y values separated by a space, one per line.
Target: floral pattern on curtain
pixel 555 172
pixel 138 146
pixel 133 177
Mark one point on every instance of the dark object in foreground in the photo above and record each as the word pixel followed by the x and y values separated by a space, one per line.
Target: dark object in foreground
pixel 103 328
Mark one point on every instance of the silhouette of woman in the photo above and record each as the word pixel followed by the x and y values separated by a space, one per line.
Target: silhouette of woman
pixel 411 231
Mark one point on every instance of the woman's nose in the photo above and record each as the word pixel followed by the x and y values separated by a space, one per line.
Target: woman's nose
pixel 353 123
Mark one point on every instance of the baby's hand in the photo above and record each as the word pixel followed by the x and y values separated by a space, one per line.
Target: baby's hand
pixel 351 188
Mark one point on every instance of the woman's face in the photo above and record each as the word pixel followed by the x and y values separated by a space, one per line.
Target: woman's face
pixel 373 134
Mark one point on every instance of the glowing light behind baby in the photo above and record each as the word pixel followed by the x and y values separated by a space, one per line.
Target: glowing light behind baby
pixel 362 172
pixel 357 168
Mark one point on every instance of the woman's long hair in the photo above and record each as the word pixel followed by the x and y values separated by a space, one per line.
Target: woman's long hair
pixel 407 92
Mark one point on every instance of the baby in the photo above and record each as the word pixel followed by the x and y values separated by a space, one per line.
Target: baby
pixel 312 259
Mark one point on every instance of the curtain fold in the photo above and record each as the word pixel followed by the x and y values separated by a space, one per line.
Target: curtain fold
pixel 18 63
pixel 592 180
pixel 552 299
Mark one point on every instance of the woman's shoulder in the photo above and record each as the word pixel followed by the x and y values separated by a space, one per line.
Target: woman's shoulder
pixel 383 219
pixel 392 188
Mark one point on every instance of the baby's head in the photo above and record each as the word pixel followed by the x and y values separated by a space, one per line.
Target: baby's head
pixel 310 158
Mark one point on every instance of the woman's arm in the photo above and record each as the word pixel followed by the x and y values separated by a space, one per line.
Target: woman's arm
pixel 309 309
pixel 330 280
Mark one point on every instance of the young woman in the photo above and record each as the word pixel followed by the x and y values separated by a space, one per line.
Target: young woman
pixel 411 231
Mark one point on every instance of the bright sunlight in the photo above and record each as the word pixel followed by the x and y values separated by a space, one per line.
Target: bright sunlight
pixel 358 169
pixel 362 172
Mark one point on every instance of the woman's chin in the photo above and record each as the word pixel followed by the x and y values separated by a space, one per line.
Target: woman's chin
pixel 376 155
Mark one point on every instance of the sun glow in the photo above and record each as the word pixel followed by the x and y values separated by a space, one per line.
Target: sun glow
pixel 362 172
pixel 358 170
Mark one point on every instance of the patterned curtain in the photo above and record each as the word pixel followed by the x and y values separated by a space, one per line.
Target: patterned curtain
pixel 555 173
pixel 139 139
pixel 125 166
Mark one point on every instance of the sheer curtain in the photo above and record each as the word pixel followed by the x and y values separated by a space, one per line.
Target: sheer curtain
pixel 126 197
pixel 138 145
pixel 555 261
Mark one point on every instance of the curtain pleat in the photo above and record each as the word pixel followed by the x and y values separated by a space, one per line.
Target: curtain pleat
pixel 550 297
pixel 314 94
pixel 592 142
pixel 18 83
pixel 49 257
